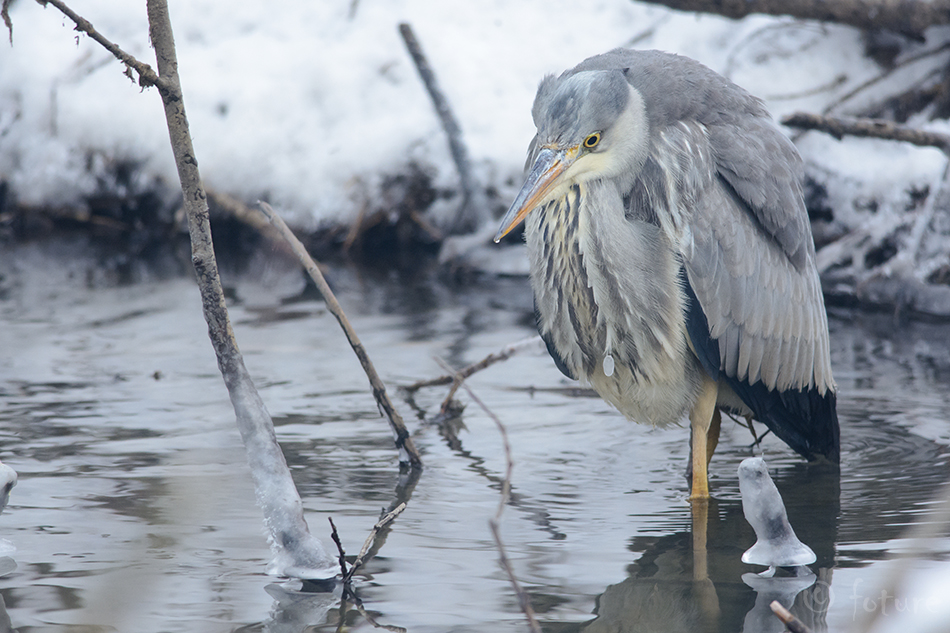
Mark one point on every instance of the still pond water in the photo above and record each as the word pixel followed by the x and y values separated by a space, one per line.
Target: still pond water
pixel 135 509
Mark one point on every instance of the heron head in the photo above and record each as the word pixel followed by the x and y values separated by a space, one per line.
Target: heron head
pixel 591 125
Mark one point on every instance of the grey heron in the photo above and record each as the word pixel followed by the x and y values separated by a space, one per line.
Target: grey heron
pixel 672 260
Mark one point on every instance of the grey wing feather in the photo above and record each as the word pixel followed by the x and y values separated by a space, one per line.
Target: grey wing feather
pixel 767 313
pixel 764 169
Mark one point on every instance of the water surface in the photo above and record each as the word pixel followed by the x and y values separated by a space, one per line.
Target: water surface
pixel 135 510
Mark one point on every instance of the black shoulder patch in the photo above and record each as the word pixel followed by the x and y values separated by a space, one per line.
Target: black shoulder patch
pixel 697 327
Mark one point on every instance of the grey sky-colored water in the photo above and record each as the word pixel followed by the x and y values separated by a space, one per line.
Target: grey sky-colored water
pixel 135 509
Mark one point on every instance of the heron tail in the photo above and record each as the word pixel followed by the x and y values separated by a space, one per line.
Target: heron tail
pixel 806 420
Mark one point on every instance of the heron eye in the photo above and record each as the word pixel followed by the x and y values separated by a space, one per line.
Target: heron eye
pixel 591 141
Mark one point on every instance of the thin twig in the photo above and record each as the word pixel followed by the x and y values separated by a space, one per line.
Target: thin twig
pixel 147 76
pixel 403 441
pixel 339 546
pixel 431 231
pixel 509 462
pixel 383 522
pixel 794 624
pixel 808 92
pixel 523 599
pixel 504 354
pixel 840 127
pixel 746 422
pixel 466 217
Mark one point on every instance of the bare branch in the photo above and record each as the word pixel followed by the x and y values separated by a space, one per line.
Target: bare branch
pixel 446 405
pixel 840 127
pixel 467 215
pixel 519 591
pixel 383 522
pixel 908 18
pixel 794 624
pixel 147 76
pixel 298 552
pixel 339 547
pixel 509 462
pixel 407 449
pixel 504 354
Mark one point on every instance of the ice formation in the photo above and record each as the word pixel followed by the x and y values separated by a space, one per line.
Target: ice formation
pixel 776 544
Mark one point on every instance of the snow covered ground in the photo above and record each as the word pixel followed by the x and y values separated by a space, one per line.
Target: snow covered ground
pixel 311 104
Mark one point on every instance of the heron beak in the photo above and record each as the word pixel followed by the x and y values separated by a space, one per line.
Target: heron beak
pixel 543 177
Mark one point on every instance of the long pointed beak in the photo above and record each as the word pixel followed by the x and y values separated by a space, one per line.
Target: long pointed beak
pixel 543 177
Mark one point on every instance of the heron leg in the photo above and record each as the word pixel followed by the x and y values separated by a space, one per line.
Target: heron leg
pixel 704 424
pixel 703 588
pixel 712 435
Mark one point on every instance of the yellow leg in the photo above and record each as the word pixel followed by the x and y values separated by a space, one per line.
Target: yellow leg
pixel 700 522
pixel 705 422
pixel 712 435
pixel 704 590
pixel 701 420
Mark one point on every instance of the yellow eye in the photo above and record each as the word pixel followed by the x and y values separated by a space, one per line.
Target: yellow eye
pixel 591 141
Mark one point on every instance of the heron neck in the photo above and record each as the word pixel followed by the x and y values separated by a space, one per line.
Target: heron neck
pixel 605 284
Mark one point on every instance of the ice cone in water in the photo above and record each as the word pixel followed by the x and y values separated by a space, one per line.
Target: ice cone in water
pixel 776 544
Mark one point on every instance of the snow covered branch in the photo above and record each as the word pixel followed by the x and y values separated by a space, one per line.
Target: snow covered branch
pixel 891 260
pixel 908 18
pixel 840 127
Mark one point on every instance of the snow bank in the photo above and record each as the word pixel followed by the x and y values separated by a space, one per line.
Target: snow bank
pixel 310 104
